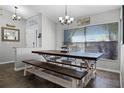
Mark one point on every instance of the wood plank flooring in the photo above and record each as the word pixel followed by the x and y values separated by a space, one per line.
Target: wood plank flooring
pixel 15 79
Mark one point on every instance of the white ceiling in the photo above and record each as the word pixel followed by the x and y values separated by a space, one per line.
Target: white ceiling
pixel 54 11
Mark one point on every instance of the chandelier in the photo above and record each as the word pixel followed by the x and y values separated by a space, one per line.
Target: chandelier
pixel 66 19
pixel 15 16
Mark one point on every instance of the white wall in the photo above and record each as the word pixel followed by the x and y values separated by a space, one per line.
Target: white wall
pixel 7 53
pixel 48 42
pixel 59 36
pixel 105 17
pixel 25 54
pixel 101 18
pixel 48 33
pixel 6 19
pixel 48 30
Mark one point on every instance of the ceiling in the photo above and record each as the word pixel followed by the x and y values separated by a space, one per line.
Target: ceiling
pixel 54 11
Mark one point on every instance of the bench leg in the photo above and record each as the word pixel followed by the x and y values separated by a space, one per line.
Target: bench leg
pixel 25 70
pixel 83 82
pixel 94 71
pixel 78 82
pixel 74 83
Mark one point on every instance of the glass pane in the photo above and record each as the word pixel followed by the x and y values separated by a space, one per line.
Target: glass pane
pixel 75 39
pixel 103 38
pixel 97 33
pixel 99 38
pixel 74 35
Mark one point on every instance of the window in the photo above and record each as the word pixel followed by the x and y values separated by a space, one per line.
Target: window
pixel 99 38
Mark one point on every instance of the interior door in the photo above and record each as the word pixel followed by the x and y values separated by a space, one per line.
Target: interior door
pixel 31 37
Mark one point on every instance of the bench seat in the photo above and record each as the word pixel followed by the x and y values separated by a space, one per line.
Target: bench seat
pixel 58 69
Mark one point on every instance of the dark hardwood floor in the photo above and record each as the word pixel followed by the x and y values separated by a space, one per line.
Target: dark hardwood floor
pixel 15 79
pixel 105 79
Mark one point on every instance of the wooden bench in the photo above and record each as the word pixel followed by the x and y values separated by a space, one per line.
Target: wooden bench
pixel 72 73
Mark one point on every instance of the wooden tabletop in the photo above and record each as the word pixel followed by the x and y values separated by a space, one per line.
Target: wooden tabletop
pixel 78 54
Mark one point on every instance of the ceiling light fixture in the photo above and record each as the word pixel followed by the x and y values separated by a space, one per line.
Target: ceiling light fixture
pixel 15 16
pixel 66 19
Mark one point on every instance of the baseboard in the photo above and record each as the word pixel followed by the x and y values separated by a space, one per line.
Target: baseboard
pixel 7 62
pixel 110 70
pixel 19 69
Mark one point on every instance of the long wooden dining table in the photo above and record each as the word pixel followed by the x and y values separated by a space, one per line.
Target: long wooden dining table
pixel 77 54
pixel 88 59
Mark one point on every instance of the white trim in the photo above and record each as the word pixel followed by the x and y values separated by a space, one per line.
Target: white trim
pixel 108 60
pixel 19 69
pixel 75 27
pixel 110 70
pixel 7 62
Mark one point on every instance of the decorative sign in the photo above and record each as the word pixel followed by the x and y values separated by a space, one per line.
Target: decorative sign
pixel 83 21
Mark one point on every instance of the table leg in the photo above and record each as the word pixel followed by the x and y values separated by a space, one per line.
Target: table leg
pixel 74 83
pixel 25 70
pixel 94 70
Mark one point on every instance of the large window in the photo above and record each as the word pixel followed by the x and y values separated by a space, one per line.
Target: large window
pixel 99 38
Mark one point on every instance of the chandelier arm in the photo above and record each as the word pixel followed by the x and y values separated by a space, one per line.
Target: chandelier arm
pixel 65 10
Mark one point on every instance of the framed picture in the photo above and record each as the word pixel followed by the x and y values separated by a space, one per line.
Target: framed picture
pixel 10 34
